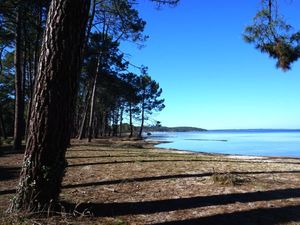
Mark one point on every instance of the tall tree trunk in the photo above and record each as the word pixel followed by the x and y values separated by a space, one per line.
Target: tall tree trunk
pixel 89 25
pixel 2 126
pixel 130 120
pixel 92 105
pixel 143 119
pixel 84 118
pixel 55 88
pixel 95 127
pixel 103 124
pixel 38 24
pixel 19 103
pixel 83 122
pixel 88 32
pixel 24 73
pixel 115 123
pixel 121 121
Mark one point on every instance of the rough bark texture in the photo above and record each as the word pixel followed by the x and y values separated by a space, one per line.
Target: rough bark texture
pixel 143 118
pixel 103 124
pixel 53 101
pixel 121 121
pixel 36 53
pixel 88 32
pixel 2 126
pixel 19 102
pixel 84 118
pixel 130 120
pixel 92 104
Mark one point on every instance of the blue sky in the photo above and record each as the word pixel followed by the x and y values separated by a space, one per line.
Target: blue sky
pixel 210 77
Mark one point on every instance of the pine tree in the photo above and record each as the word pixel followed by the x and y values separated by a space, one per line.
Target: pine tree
pixel 53 101
pixel 271 34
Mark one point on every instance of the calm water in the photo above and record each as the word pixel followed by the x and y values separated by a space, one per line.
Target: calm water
pixel 250 142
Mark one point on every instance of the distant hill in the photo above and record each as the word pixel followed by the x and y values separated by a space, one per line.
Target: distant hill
pixel 172 129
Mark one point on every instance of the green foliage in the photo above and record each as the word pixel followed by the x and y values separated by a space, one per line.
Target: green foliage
pixel 172 129
pixel 272 35
pixel 149 93
pixel 166 2
pixel 120 20
pixel 115 21
pixel 32 15
pixel 7 91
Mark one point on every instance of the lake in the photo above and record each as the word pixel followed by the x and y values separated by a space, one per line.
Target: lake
pixel 241 142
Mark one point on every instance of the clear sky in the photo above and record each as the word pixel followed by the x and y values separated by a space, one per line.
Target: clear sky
pixel 210 77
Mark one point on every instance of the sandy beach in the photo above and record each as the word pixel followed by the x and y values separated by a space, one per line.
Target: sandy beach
pixel 121 181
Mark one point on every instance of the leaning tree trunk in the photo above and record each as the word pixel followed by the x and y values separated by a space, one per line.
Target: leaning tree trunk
pixel 121 121
pixel 84 118
pixel 19 103
pixel 55 88
pixel 88 32
pixel 32 76
pixel 143 119
pixel 92 104
pixel 130 120
pixel 2 126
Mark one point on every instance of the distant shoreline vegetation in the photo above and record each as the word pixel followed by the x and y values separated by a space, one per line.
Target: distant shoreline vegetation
pixel 192 129
pixel 172 129
pixel 262 130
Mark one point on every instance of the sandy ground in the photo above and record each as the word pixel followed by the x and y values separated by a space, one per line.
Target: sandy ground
pixel 112 181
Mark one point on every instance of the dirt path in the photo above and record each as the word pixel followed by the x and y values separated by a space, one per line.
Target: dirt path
pixel 131 182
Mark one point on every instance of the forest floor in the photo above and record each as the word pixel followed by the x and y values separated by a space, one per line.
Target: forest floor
pixel 116 182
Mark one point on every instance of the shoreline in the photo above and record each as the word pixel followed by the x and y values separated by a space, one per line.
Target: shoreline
pixel 135 182
pixel 235 156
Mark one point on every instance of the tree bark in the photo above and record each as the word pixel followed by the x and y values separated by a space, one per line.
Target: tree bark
pixel 130 120
pixel 103 124
pixel 53 101
pixel 25 61
pixel 88 32
pixel 19 103
pixel 121 121
pixel 95 127
pixel 84 118
pixel 38 24
pixel 2 126
pixel 89 25
pixel 143 119
pixel 92 105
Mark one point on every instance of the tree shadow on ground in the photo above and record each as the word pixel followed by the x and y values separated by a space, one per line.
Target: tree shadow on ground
pixel 149 207
pixel 165 177
pixel 106 156
pixel 8 150
pixel 145 179
pixel 172 160
pixel 90 145
pixel 8 173
pixel 8 192
pixel 262 216
pixel 102 150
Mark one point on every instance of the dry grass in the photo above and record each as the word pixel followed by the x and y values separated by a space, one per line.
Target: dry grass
pixel 112 181
pixel 229 179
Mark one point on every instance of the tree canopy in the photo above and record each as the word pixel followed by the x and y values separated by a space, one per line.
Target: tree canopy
pixel 271 34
